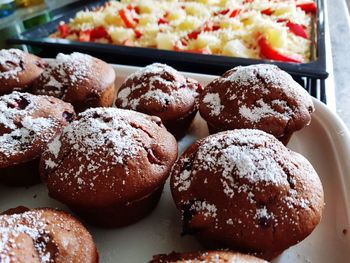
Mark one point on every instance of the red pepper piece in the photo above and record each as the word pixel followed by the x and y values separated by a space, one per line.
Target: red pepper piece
pixel 85 36
pixel 296 29
pixel 193 34
pixel 138 34
pixel 267 11
pixel 268 52
pixel 308 7
pixel 281 20
pixel 64 30
pixel 137 10
pixel 208 26
pixel 162 21
pixel 235 13
pixel 223 12
pixel 125 16
pixel 98 32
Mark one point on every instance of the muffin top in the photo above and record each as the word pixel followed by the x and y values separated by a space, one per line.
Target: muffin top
pixel 108 156
pixel 159 90
pixel 75 77
pixel 27 123
pixel 245 187
pixel 206 257
pixel 256 97
pixel 18 70
pixel 44 235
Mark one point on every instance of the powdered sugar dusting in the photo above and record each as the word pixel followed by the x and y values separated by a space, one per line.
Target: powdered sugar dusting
pixel 55 146
pixel 241 159
pixel 254 183
pixel 183 179
pixel 87 132
pixel 253 90
pixel 42 227
pixel 156 86
pixel 252 76
pixel 235 153
pixel 154 69
pixel 11 61
pixel 28 223
pixel 214 103
pixel 205 208
pixel 262 213
pixel 64 71
pixel 123 95
pixel 263 110
pixel 20 129
pixel 107 132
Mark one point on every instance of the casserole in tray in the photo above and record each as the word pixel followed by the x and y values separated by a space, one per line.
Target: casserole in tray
pixel 313 65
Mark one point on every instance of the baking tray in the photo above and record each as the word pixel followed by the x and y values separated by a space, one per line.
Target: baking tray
pixel 213 64
pixel 326 143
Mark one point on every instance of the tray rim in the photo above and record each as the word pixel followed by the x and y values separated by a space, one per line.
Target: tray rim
pixel 302 69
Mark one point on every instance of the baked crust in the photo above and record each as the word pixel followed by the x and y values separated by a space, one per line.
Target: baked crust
pixel 162 91
pixel 108 159
pixel 44 235
pixel 18 70
pixel 80 79
pixel 244 190
pixel 256 97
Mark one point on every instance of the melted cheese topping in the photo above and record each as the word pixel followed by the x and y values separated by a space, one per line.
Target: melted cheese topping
pixel 220 27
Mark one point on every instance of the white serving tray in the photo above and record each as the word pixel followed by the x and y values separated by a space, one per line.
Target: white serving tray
pixel 326 143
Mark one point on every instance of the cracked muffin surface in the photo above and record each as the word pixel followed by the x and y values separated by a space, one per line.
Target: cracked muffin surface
pixel 27 124
pixel 244 190
pixel 108 157
pixel 80 79
pixel 160 90
pixel 18 70
pixel 44 235
pixel 260 97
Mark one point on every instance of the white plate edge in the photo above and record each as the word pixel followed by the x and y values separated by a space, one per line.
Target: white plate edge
pixel 339 137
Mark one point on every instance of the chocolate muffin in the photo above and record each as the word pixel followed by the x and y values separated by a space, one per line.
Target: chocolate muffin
pixel 260 97
pixel 206 257
pixel 80 79
pixel 244 190
pixel 110 162
pixel 162 91
pixel 44 235
pixel 18 70
pixel 27 123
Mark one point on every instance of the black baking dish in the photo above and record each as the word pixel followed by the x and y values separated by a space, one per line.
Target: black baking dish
pixel 210 64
